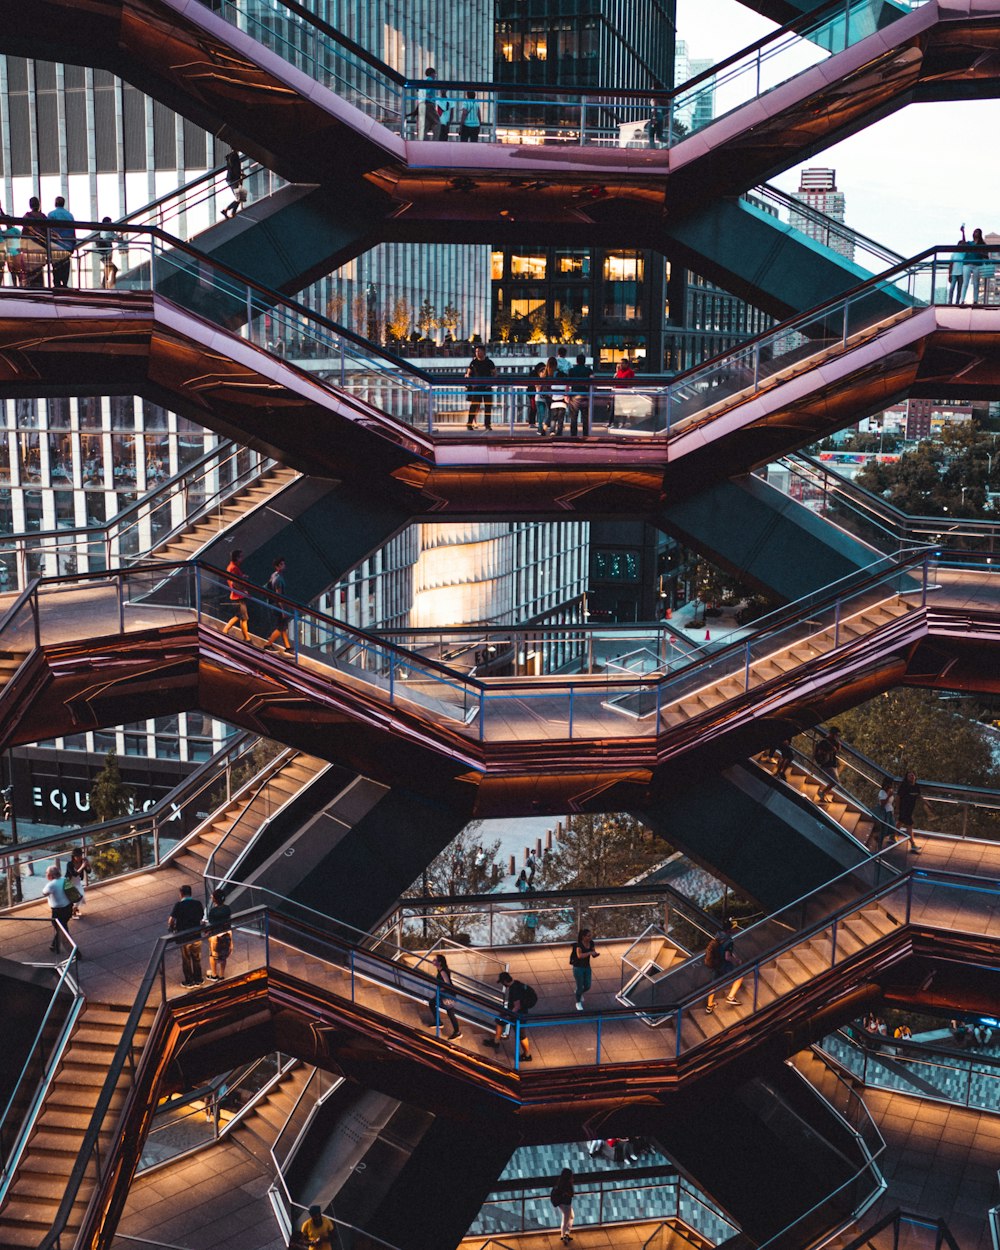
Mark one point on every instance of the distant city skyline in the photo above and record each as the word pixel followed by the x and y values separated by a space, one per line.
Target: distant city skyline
pixel 895 195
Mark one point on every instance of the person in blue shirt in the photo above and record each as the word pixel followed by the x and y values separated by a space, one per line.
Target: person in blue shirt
pixel 63 243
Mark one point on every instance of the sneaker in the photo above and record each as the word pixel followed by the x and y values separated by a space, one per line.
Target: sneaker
pixel 491 1042
pixel 733 1002
pixel 915 850
pixel 526 1058
pixel 709 1010
pixel 506 1031
pixel 579 1006
pixel 827 798
pixel 453 1037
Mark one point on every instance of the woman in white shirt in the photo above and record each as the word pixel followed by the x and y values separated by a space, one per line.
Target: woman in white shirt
pixel 886 813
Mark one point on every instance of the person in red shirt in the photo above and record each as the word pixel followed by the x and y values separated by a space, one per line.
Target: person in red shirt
pixel 237 596
pixel 623 373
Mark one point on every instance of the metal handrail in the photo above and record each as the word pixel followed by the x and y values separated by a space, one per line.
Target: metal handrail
pixel 204 777
pixel 828 599
pixel 767 191
pixel 258 783
pixel 68 980
pixel 132 516
pixel 898 524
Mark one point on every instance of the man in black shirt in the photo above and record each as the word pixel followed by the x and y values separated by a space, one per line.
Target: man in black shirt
pixel 520 999
pixel 480 366
pixel 185 920
pixel 579 397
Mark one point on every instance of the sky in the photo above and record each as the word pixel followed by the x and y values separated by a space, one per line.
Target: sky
pixel 910 179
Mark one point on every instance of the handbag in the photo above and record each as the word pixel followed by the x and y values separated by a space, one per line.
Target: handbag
pixel 73 893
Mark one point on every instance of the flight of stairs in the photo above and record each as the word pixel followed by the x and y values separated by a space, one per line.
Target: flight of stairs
pixel 847 813
pixel 186 545
pixel 45 1169
pixel 236 825
pixel 786 660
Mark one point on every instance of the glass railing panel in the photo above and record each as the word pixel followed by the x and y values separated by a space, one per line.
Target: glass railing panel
pixel 17 627
pixel 31 1061
pixel 319 56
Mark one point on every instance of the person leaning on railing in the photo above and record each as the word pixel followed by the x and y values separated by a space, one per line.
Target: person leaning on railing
pixel 34 245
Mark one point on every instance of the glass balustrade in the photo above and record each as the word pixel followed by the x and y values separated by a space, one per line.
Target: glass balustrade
pixel 481 709
pixel 512 115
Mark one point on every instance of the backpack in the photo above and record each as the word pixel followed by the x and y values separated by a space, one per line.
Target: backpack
pixel 713 954
pixel 528 997
pixel 573 961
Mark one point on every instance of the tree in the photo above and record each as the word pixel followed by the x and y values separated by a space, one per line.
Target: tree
pixel 359 313
pixel 426 318
pixel 109 795
pixel 465 866
pixel 502 323
pixel 450 319
pixel 946 476
pixel 335 307
pixel 939 738
pixel 569 324
pixel 600 850
pixel 398 324
pixel 539 323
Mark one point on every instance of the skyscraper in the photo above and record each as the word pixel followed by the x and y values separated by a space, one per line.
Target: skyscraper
pixel 818 190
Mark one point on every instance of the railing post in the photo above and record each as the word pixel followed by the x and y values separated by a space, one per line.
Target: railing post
pixel 756 984
pixel 430 410
pixel 267 941
pixel 482 715
pixel 351 966
pixel 836 623
pixel 571 712
pixel 598 1060
pixel 392 679
pixel 746 668
pixel 583 120
pixel 756 366
pixel 156 841
pixel 121 603
pixel 833 944
pixel 678 1021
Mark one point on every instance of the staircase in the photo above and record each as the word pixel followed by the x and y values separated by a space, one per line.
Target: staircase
pixel 849 814
pixel 234 827
pixel 44 1172
pixel 185 545
pixel 787 660
pixel 10 662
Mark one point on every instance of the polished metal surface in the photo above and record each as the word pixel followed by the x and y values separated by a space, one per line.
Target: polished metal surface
pixel 195 61
pixel 112 644
pixel 134 342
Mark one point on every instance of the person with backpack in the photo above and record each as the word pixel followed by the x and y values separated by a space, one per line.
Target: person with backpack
pixel 582 952
pixel 520 999
pixel 908 794
pixel 561 1198
pixel 828 762
pixel 719 954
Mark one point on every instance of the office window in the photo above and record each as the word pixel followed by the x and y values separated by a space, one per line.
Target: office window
pixel 623 267
pixel 573 264
pixel 496 266
pixel 523 266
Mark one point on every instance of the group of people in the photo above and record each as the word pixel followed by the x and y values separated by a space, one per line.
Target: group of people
pixel 519 997
pixel 27 251
pixel 896 803
pixel 560 392
pixel 239 597
pixel 187 919
pixel 436 112
pixel 971 263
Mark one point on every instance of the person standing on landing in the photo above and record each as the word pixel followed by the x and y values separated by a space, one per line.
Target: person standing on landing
pixel 907 795
pixel 481 395
pixel 561 1198
pixel 237 596
pixel 77 871
pixel 220 945
pixel 185 920
pixel 583 951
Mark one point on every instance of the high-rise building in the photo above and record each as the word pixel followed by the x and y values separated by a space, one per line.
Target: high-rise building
pixel 818 190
